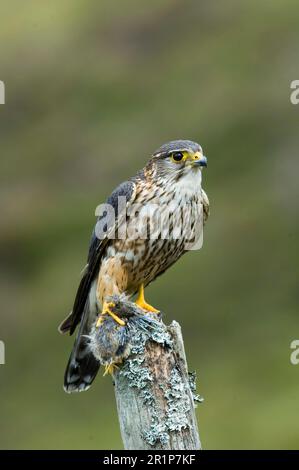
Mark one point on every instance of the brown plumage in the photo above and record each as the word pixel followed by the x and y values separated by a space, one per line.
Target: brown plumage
pixel 167 205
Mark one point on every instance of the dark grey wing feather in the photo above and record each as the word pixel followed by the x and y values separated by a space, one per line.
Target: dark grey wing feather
pixel 96 249
pixel 82 366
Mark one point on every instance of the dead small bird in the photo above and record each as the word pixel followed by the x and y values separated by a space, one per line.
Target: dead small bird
pixel 110 344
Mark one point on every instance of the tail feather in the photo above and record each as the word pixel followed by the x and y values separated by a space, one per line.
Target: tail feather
pixel 66 325
pixel 82 366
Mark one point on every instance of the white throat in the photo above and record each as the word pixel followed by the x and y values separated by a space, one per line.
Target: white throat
pixel 189 184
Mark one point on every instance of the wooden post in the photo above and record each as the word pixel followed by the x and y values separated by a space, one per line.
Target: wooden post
pixel 155 396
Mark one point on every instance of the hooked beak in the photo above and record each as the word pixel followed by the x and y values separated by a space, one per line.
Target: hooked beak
pixel 202 161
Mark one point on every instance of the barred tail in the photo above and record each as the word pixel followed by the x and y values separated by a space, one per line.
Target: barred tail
pixel 82 366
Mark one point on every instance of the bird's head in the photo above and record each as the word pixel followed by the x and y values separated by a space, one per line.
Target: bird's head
pixel 178 158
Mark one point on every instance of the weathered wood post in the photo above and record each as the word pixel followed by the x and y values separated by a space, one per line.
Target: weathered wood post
pixel 155 393
pixel 154 397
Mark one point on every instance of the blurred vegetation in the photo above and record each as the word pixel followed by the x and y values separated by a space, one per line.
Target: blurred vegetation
pixel 91 89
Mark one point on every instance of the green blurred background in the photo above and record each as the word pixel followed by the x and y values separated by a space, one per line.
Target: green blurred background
pixel 91 89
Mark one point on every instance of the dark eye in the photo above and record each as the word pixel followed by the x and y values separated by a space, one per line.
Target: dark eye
pixel 177 156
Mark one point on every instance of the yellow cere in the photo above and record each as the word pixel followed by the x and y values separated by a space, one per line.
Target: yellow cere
pixel 179 157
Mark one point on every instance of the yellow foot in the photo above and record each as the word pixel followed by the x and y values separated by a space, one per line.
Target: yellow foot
pixel 100 320
pixel 140 301
pixel 110 369
pixel 107 310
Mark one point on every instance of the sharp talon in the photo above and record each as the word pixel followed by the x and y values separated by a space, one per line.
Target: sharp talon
pixel 140 301
pixel 100 321
pixel 107 310
pixel 117 319
pixel 110 369
pixel 148 307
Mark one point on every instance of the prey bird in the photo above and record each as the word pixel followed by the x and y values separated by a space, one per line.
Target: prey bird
pixel 124 265
pixel 112 343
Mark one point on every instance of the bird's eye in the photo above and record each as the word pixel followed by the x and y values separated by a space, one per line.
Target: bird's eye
pixel 177 156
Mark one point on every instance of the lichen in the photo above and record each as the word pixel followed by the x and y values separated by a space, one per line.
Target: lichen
pixel 175 417
pixel 178 406
pixel 138 343
pixel 192 382
pixel 147 397
pixel 160 335
pixel 137 375
pixel 157 433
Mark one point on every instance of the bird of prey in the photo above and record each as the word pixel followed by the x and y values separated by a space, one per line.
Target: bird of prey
pixel 124 265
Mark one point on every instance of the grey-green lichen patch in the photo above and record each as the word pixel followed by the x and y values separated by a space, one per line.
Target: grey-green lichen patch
pixel 137 375
pixel 138 343
pixel 143 329
pixel 175 417
pixel 147 397
pixel 160 335
pixel 178 405
pixel 192 382
pixel 157 433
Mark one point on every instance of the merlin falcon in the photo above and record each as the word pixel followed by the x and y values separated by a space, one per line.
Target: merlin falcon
pixel 125 263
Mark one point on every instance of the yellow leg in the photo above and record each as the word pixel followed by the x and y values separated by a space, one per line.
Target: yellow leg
pixel 140 301
pixel 107 310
